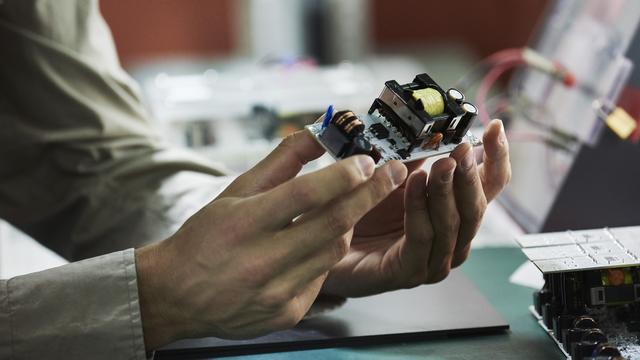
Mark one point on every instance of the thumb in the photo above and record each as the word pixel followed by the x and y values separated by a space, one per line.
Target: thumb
pixel 495 170
pixel 282 164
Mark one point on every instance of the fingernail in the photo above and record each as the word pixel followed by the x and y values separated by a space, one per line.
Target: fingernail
pixel 467 161
pixel 448 175
pixel 502 136
pixel 366 165
pixel 398 173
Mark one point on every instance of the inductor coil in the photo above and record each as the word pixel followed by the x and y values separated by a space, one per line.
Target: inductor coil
pixel 348 122
pixel 431 100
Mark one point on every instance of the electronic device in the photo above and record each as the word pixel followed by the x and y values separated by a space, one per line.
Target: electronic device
pixel 397 316
pixel 406 122
pixel 590 302
pixel 559 175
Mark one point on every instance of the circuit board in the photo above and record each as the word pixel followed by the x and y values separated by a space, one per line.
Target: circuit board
pixel 405 122
pixel 583 249
pixel 392 144
pixel 590 302
pixel 624 340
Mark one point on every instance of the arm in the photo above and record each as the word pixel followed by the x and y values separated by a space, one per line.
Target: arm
pixel 83 170
pixel 86 175
pixel 49 314
pixel 250 262
pixel 253 260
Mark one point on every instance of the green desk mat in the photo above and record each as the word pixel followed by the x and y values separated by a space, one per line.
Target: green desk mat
pixel 489 269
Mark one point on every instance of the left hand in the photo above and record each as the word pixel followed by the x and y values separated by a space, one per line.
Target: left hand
pixel 424 228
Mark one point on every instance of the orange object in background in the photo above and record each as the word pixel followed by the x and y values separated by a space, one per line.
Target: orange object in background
pixel 482 26
pixel 150 29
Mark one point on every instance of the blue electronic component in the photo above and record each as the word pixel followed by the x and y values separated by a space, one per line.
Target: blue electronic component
pixel 327 116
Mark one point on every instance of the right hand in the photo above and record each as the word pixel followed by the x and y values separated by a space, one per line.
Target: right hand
pixel 254 259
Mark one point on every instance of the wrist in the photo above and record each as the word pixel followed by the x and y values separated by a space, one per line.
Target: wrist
pixel 157 310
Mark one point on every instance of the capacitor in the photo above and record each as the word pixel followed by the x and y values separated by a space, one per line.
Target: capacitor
pixel 594 335
pixel 430 99
pixel 606 349
pixel 588 344
pixel 585 322
pixel 468 107
pixel 455 95
pixel 433 142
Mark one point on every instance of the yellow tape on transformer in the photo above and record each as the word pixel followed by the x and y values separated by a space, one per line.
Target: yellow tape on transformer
pixel 431 100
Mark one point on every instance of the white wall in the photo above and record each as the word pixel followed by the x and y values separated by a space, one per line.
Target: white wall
pixel 20 254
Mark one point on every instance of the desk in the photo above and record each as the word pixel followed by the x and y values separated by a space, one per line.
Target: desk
pixel 489 269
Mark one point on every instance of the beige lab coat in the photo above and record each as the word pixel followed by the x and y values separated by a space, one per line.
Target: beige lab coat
pixel 83 172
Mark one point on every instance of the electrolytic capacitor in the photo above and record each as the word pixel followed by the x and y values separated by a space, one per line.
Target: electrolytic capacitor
pixel 455 95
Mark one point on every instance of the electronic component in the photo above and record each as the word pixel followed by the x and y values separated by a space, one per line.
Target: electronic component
pixel 344 136
pixel 406 122
pixel 590 302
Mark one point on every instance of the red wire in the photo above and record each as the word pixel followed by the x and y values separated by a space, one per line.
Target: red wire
pixel 505 63
pixel 503 56
pixel 499 63
pixel 487 83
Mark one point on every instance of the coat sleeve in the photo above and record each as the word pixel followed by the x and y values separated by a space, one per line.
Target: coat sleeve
pixel 84 173
pixel 83 310
pixel 83 170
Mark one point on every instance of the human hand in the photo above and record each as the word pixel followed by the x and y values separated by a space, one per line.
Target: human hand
pixel 424 228
pixel 254 259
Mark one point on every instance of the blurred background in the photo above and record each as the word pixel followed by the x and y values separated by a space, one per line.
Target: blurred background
pixel 273 65
pixel 229 78
pixel 329 31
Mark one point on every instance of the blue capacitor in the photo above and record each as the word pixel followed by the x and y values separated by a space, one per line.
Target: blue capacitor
pixel 327 116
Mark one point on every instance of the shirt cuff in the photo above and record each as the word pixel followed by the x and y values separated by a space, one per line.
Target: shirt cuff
pixel 83 310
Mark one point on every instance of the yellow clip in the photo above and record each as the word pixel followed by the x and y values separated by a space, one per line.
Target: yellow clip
pixel 621 123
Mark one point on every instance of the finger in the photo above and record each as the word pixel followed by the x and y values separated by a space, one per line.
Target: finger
pixel 279 206
pixel 299 304
pixel 414 250
pixel 470 200
pixel 323 235
pixel 340 216
pixel 415 165
pixel 305 299
pixel 282 164
pixel 444 217
pixel 309 264
pixel 495 171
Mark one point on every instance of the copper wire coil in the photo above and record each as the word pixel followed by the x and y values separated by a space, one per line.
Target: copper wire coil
pixel 348 122
pixel 351 125
pixel 345 117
